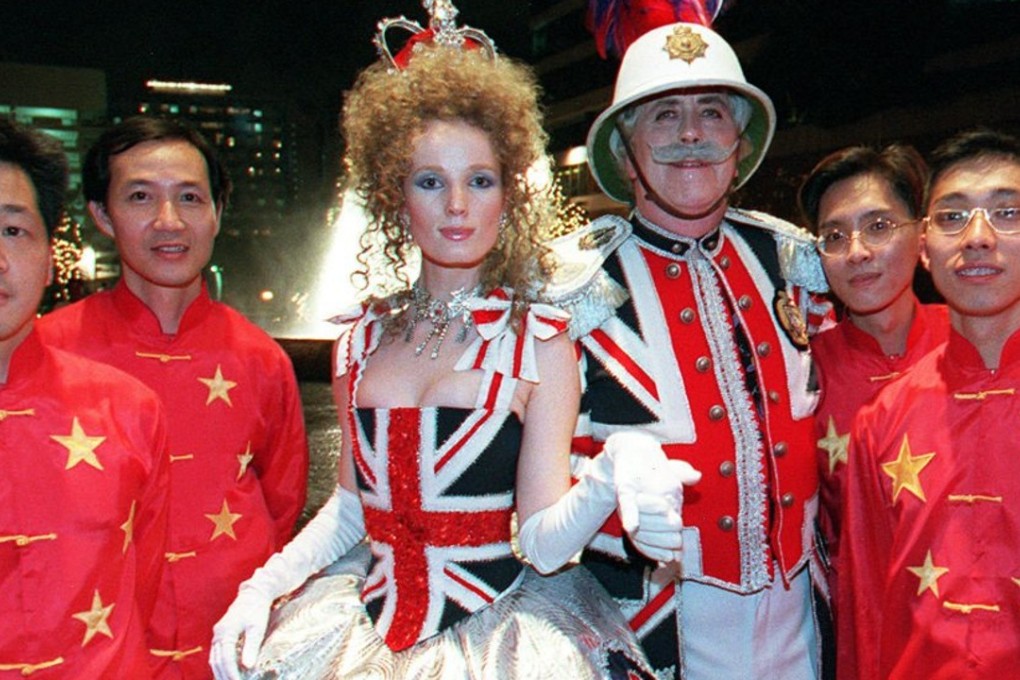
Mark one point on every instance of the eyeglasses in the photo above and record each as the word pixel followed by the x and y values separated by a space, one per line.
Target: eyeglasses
pixel 834 243
pixel 952 221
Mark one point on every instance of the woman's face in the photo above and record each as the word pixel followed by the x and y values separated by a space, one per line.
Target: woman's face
pixel 454 194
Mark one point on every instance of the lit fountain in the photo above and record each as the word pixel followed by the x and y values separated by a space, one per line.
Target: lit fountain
pixel 308 339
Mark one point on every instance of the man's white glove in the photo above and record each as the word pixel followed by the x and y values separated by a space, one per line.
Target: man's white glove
pixel 649 502
pixel 323 540
pixel 649 488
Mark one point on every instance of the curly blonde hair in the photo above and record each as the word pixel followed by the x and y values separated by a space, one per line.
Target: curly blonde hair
pixel 382 117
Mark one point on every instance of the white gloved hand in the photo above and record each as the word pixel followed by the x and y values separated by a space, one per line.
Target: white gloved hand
pixel 555 534
pixel 323 540
pixel 649 488
pixel 631 473
pixel 246 618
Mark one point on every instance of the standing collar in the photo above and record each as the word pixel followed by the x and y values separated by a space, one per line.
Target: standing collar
pixel 859 338
pixel 671 244
pixel 25 360
pixel 143 321
pixel 964 364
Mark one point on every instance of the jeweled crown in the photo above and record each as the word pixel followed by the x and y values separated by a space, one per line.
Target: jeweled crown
pixel 442 30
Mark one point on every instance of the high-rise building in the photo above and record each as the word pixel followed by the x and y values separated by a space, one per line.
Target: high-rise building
pixel 256 262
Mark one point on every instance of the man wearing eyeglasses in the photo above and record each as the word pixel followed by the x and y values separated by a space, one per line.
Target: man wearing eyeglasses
pixel 929 569
pixel 865 206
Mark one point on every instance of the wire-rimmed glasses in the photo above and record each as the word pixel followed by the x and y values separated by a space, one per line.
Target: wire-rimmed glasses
pixel 834 242
pixel 952 221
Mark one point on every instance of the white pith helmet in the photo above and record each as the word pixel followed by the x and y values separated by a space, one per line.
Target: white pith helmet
pixel 675 57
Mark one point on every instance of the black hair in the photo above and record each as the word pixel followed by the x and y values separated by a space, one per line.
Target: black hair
pixel 140 129
pixel 898 164
pixel 971 145
pixel 42 158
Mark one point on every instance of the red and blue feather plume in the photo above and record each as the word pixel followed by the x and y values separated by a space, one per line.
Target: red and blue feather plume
pixel 617 23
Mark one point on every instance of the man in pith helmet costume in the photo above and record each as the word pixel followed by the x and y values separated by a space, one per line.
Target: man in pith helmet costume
pixel 704 352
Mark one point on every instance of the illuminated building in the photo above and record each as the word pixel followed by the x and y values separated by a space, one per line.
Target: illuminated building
pixel 69 104
pixel 258 141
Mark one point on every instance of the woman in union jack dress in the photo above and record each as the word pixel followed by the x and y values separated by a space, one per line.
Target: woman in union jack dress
pixel 457 396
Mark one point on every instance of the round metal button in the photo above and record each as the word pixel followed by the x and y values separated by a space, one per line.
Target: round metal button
pixel 779 450
pixel 763 349
pixel 786 500
pixel 677 248
pixel 726 523
pixel 672 270
pixel 726 468
pixel 702 364
pixel 774 396
pixel 687 315
pixel 724 262
pixel 716 412
pixel 744 302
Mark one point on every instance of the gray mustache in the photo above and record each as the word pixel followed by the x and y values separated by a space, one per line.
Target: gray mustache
pixel 705 152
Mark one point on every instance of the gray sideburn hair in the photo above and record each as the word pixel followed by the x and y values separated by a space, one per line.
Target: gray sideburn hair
pixel 740 109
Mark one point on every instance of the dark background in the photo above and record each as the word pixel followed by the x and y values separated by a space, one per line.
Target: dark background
pixel 839 71
pixel 305 49
pixel 822 61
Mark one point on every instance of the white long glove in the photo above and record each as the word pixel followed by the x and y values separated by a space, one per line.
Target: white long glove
pixel 553 535
pixel 649 508
pixel 336 528
pixel 649 487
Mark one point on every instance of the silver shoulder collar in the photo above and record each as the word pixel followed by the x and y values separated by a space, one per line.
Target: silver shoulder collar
pixel 799 261
pixel 579 285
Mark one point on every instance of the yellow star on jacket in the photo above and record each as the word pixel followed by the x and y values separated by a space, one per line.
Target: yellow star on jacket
pixel 905 471
pixel 128 527
pixel 219 387
pixel 929 575
pixel 95 619
pixel 201 448
pixel 836 444
pixel 224 522
pixel 80 447
pixel 244 459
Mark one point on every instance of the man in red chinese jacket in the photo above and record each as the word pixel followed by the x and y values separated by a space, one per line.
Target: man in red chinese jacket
pixel 865 205
pixel 83 463
pixel 238 452
pixel 929 582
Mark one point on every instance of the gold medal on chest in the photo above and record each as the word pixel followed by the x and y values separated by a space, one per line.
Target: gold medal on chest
pixel 791 320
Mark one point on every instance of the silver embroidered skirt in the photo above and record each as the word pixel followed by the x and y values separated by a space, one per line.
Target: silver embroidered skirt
pixel 556 627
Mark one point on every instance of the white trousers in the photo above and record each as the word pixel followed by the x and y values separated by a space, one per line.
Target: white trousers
pixel 768 635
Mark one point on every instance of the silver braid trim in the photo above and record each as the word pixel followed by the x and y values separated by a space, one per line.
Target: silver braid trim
pixel 751 479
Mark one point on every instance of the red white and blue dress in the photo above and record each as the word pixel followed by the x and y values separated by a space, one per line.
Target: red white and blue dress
pixel 440 593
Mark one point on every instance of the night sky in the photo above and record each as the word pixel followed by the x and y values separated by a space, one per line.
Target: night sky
pixel 306 49
pixel 821 61
pixel 825 63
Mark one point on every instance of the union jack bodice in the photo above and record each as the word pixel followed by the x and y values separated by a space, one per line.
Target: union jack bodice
pixel 437 483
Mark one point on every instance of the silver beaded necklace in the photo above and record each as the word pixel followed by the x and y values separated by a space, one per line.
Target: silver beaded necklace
pixel 439 313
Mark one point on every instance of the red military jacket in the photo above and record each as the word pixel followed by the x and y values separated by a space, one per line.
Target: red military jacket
pixel 238 452
pixel 929 578
pixel 851 370
pixel 707 350
pixel 83 508
pixel 669 362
